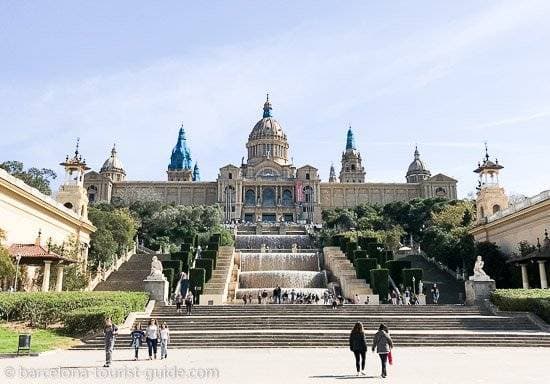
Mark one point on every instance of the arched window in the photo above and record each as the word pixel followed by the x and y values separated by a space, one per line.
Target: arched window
pixel 92 192
pixel 68 205
pixel 268 197
pixel 287 197
pixel 250 197
pixel 496 208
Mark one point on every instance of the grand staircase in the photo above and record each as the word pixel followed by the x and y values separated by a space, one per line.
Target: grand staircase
pixel 130 275
pixel 293 326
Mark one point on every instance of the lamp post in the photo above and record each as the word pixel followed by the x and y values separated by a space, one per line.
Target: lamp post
pixel 18 258
pixel 414 286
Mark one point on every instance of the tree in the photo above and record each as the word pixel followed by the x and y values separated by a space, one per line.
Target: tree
pixel 7 268
pixel 38 178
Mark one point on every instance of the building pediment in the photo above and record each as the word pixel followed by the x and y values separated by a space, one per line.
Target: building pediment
pixel 228 167
pixel 442 178
pixel 95 176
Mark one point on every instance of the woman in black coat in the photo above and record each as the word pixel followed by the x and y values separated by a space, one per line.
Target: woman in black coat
pixel 358 346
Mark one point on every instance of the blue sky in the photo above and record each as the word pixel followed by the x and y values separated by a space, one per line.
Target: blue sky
pixel 445 75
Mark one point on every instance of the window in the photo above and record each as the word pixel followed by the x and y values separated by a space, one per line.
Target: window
pixel 496 208
pixel 268 197
pixel 250 197
pixel 287 197
pixel 307 176
pixel 353 167
pixel 230 175
pixel 68 205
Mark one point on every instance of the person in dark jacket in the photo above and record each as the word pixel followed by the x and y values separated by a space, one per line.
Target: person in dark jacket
pixel 383 344
pixel 110 332
pixel 358 346
pixel 137 336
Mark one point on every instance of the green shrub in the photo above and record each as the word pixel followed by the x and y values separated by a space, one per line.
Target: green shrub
pixel 209 254
pixel 213 246
pixel 527 300
pixel 196 281
pixel 405 264
pixel 184 257
pixel 360 254
pixel 407 275
pixel 45 308
pixel 185 247
pixel 176 265
pixel 364 241
pixel 350 249
pixel 207 265
pixel 379 283
pixel 381 258
pixel 363 266
pixel 389 255
pixel 215 238
pixel 395 267
pixel 91 319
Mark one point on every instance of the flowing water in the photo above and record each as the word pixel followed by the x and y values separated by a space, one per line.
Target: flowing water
pixel 279 261
pixel 273 241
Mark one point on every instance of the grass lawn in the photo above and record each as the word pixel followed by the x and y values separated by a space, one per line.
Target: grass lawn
pixel 42 339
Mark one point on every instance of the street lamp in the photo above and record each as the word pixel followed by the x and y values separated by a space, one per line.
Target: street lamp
pixel 414 286
pixel 18 258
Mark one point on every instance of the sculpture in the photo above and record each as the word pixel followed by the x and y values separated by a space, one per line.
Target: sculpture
pixel 479 273
pixel 420 287
pixel 156 270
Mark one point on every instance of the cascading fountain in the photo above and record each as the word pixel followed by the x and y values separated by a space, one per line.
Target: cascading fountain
pixel 276 266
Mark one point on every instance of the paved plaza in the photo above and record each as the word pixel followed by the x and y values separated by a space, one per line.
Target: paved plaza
pixel 411 365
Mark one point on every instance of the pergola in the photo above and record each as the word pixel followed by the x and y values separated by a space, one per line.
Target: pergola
pixel 540 255
pixel 36 255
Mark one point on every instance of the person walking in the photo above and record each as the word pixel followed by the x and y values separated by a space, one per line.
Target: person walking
pixel 137 336
pixel 179 302
pixel 358 346
pixel 189 302
pixel 164 340
pixel 383 344
pixel 151 336
pixel 435 293
pixel 109 331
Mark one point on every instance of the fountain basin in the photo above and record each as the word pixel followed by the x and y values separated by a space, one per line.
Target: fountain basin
pixel 279 262
pixel 295 279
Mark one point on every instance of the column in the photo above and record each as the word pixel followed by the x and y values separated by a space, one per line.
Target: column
pixel 524 276
pixel 542 273
pixel 59 279
pixel 46 278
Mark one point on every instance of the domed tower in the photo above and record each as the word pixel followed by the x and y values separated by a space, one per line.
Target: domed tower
pixel 490 195
pixel 417 171
pixel 352 168
pixel 113 168
pixel 72 193
pixel 267 140
pixel 179 168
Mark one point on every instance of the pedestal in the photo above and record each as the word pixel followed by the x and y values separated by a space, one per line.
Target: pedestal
pixel 421 299
pixel 158 289
pixel 477 291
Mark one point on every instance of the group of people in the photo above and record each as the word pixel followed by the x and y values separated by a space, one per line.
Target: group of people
pixel 408 296
pixel 280 297
pixel 381 344
pixel 153 335
pixel 183 295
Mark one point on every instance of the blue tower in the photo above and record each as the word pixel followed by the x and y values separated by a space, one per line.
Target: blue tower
pixel 350 142
pixel 196 173
pixel 180 166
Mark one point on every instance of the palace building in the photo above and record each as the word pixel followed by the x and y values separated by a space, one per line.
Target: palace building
pixel 267 186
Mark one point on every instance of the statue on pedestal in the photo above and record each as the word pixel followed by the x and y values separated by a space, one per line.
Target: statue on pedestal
pixel 156 270
pixel 479 273
pixel 420 287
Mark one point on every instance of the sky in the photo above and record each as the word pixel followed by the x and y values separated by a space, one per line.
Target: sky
pixel 444 75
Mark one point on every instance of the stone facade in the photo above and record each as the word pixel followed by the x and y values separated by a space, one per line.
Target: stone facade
pixel 267 186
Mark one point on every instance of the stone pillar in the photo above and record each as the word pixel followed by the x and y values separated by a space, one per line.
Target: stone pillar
pixel 542 273
pixel 524 276
pixel 46 278
pixel 59 279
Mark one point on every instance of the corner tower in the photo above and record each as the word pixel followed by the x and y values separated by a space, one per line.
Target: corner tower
pixel 72 193
pixel 179 168
pixel 113 168
pixel 417 170
pixel 490 195
pixel 352 170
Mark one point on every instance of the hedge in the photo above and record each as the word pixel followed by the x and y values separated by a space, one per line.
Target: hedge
pixel 365 241
pixel 196 279
pixel 190 239
pixel 45 308
pixel 90 319
pixel 350 249
pixel 360 254
pixel 379 283
pixel 213 246
pixel 395 267
pixel 209 254
pixel 207 265
pixel 389 255
pixel 216 238
pixel 526 300
pixel 169 274
pixel 185 247
pixel 408 275
pixel 184 257
pixel 176 265
pixel 363 266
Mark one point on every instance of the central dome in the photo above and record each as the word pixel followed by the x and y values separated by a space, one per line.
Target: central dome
pixel 267 140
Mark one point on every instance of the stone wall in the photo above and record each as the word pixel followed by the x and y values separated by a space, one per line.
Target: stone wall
pixel 342 195
pixel 186 193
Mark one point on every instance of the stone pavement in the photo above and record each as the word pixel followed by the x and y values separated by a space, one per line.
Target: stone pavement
pixel 328 365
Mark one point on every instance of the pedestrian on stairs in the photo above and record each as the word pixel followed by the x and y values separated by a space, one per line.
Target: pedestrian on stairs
pixel 179 302
pixel 137 336
pixel 435 293
pixel 189 302
pixel 358 346
pixel 383 345
pixel 164 340
pixel 109 331
pixel 152 336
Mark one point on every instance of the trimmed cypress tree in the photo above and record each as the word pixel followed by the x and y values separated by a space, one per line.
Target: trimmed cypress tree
pixel 169 274
pixel 196 281
pixel 379 283
pixel 207 265
pixel 209 254
pixel 360 254
pixel 185 247
pixel 213 246
pixel 216 238
pixel 175 265
pixel 365 241
pixel 363 266
pixel 351 248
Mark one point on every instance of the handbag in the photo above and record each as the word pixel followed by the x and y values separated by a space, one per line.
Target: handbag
pixel 390 358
